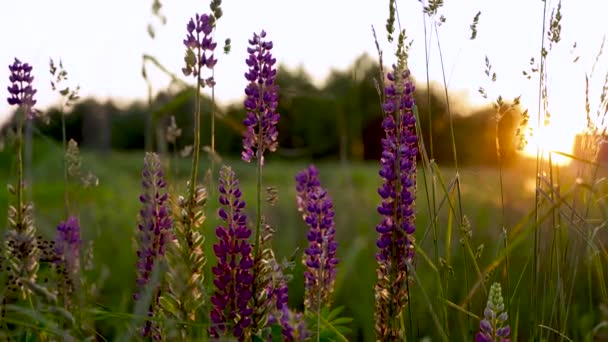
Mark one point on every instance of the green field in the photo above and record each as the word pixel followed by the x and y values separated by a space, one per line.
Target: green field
pixel 108 218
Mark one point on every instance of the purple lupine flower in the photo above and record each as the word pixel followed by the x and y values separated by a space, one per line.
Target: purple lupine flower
pixel 233 274
pixel 154 232
pixel 398 191
pixel 293 325
pixel 320 256
pixel 398 171
pixel 66 256
pixel 305 180
pixel 67 244
pixel 21 90
pixel 281 294
pixel 261 132
pixel 155 220
pixel 200 46
pixel 493 327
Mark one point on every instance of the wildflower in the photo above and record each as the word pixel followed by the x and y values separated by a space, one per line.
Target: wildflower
pixel 21 90
pixel 293 325
pixel 233 273
pixel 155 221
pixel 262 100
pixel 307 179
pixel 320 256
pixel 494 327
pixel 67 244
pixel 397 192
pixel 67 257
pixel 184 289
pixel 199 42
pixel 154 229
pixel 20 241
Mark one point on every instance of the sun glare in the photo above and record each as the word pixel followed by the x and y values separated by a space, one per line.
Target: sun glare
pixel 552 138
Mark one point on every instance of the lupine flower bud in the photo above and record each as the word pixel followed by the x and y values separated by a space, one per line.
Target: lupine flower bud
pixel 154 230
pixel 398 193
pixel 261 132
pixel 231 310
pixel 493 327
pixel 21 89
pixel 320 257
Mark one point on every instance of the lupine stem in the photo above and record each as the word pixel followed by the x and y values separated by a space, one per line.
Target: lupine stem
pixel 20 115
pixel 197 134
pixel 258 223
pixel 65 165
pixel 260 158
pixel 211 187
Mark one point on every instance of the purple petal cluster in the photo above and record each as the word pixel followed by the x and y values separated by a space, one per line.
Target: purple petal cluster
pixel 281 295
pixel 67 244
pixel 320 255
pixel 293 325
pixel 155 223
pixel 200 42
pixel 398 171
pixel 305 180
pixel 261 132
pixel 21 90
pixel 233 273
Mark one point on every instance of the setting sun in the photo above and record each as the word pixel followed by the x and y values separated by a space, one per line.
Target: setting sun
pixel 552 138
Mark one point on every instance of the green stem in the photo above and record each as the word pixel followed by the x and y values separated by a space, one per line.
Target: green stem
pixel 319 287
pixel 447 101
pixel 197 136
pixel 539 158
pixel 20 119
pixel 65 165
pixel 502 205
pixel 260 159
pixel 258 223
pixel 212 134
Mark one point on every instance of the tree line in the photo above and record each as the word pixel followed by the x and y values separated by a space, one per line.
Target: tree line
pixel 338 120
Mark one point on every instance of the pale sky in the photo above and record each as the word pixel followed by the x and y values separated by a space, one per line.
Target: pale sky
pixel 101 44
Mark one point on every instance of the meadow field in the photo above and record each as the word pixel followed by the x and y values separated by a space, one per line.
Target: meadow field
pixel 108 217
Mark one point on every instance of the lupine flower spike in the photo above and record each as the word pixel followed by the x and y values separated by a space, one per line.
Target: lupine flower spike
pixel 200 47
pixel 67 257
pixel 231 311
pixel 20 243
pixel 21 90
pixel 154 231
pixel 262 100
pixel 320 257
pixel 293 325
pixel 199 55
pixel 186 258
pixel 260 135
pixel 493 326
pixel 397 192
